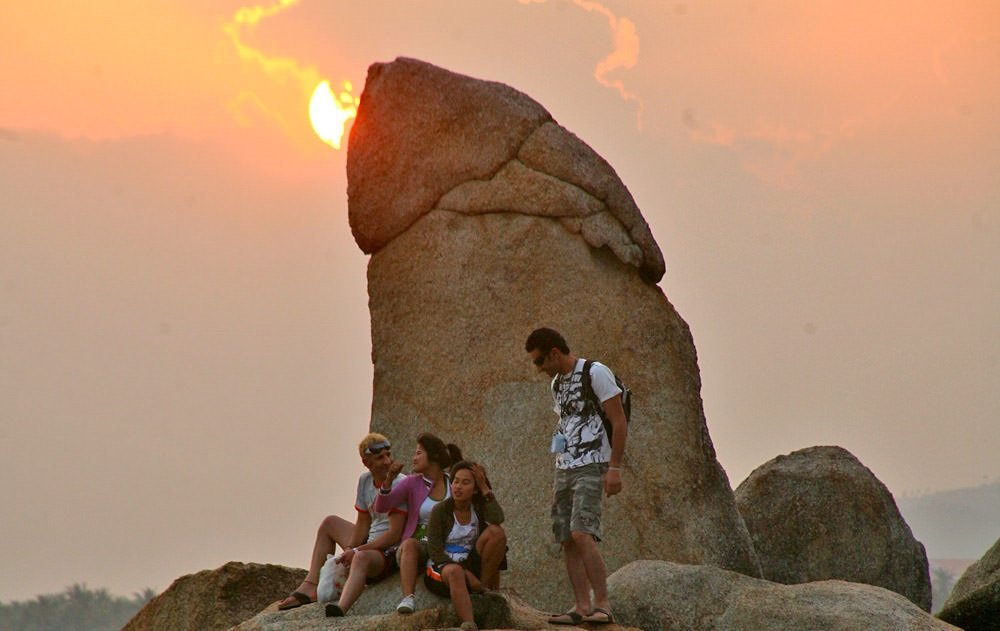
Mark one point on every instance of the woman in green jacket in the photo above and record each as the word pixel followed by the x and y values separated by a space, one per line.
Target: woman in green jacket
pixel 465 541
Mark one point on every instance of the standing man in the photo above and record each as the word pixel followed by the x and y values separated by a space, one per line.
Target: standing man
pixel 586 463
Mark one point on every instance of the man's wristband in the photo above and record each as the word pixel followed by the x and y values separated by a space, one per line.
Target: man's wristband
pixel 614 468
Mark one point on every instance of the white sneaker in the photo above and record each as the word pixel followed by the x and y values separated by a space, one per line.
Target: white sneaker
pixel 406 605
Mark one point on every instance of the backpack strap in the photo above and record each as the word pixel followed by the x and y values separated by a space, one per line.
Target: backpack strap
pixel 590 398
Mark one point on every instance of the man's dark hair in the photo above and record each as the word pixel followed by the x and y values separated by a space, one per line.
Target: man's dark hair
pixel 544 340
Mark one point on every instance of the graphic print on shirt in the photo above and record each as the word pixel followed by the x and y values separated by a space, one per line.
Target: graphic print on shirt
pixel 579 423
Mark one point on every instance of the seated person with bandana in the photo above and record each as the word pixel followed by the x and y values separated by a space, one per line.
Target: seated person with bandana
pixel 369 544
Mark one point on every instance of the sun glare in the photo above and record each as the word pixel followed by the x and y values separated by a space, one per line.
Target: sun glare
pixel 329 113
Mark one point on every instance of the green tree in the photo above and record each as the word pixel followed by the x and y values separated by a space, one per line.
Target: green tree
pixel 75 609
pixel 942 582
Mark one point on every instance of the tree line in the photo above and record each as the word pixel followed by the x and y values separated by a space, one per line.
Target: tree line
pixel 75 609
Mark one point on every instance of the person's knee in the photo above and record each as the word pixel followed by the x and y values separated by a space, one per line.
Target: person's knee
pixel 452 572
pixel 495 535
pixel 410 546
pixel 582 539
pixel 362 559
pixel 329 525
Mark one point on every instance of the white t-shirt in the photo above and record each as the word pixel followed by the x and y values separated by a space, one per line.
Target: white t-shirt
pixel 364 502
pixel 458 544
pixel 586 441
pixel 424 517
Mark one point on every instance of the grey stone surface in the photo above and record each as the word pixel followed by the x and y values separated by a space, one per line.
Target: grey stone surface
pixel 663 596
pixel 818 514
pixel 421 131
pixel 974 603
pixel 452 300
pixel 375 611
pixel 216 599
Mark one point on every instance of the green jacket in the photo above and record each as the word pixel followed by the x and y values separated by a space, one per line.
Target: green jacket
pixel 443 519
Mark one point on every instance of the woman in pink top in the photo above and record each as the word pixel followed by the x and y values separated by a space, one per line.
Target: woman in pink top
pixel 420 491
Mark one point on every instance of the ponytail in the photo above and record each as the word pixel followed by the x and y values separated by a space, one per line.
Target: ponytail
pixel 454 455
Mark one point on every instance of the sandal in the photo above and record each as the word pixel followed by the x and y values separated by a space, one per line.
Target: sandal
pixel 295 599
pixel 570 617
pixel 600 616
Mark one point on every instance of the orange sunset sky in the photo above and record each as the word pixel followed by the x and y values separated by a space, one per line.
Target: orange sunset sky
pixel 184 336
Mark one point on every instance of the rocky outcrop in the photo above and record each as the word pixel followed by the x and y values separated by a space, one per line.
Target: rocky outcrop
pixel 486 220
pixel 818 514
pixel 427 138
pixel 974 603
pixel 216 599
pixel 662 596
pixel 375 611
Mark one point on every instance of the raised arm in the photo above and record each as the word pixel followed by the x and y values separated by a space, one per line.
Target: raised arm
pixel 397 519
pixel 490 509
pixel 390 499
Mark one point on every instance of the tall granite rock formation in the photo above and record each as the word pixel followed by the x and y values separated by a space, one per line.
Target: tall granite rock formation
pixel 485 219
pixel 819 514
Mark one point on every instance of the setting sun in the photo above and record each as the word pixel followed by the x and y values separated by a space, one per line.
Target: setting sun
pixel 329 114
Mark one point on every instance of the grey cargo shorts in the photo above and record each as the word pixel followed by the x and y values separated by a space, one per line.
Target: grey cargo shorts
pixel 576 501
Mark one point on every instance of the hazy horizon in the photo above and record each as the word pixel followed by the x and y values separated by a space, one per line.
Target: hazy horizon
pixel 184 338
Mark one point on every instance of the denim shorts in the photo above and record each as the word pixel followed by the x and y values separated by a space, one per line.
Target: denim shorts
pixel 577 497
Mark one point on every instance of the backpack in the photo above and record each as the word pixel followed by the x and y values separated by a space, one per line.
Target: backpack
pixel 590 398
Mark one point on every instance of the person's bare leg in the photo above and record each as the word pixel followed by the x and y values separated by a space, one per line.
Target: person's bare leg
pixel 473 583
pixel 577 577
pixel 365 563
pixel 332 531
pixel 593 565
pixel 453 576
pixel 409 558
pixel 491 545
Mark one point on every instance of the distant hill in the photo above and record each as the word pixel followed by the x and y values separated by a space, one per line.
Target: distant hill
pixel 957 524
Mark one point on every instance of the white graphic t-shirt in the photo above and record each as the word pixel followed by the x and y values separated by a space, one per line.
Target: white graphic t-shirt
pixel 583 432
pixel 364 502
pixel 458 545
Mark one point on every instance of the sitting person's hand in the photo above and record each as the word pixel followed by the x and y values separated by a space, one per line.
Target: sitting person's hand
pixel 394 470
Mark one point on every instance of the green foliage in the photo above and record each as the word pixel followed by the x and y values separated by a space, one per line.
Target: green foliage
pixel 942 582
pixel 76 609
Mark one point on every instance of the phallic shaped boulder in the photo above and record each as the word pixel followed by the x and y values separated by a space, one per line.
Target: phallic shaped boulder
pixel 216 599
pixel 974 603
pixel 662 596
pixel 818 514
pixel 427 138
pixel 473 248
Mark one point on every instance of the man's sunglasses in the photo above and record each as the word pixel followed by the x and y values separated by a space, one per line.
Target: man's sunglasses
pixel 540 359
pixel 375 448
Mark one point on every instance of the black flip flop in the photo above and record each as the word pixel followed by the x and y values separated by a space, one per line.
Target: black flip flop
pixel 568 618
pixel 606 618
pixel 300 599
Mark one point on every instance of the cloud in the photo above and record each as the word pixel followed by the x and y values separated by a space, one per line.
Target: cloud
pixel 625 54
pixel 774 151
